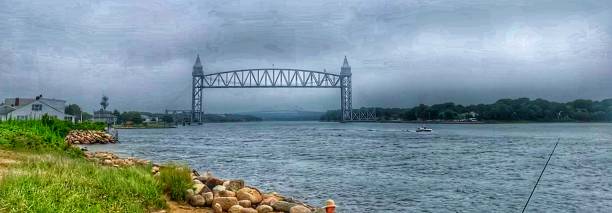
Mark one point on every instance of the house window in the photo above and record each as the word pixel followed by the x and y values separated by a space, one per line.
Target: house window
pixel 36 107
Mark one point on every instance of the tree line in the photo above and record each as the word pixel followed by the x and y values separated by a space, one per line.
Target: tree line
pixel 506 110
pixel 122 117
pixel 134 117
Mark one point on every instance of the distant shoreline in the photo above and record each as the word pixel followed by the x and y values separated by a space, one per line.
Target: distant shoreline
pixel 434 122
pixel 126 127
pixel 475 122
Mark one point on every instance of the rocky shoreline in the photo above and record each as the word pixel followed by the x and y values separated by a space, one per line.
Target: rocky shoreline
pixel 234 196
pixel 89 137
pixel 110 159
pixel 208 192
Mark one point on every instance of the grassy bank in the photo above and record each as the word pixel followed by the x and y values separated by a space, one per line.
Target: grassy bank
pixel 39 172
pixel 57 183
pixel 46 135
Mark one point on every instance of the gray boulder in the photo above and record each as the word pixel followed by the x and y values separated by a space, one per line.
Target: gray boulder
pixel 197 201
pixel 283 206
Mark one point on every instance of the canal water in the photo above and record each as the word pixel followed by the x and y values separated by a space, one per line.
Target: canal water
pixel 387 167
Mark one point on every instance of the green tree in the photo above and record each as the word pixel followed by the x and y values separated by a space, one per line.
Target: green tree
pixel 132 116
pixel 581 116
pixel 582 104
pixel 104 102
pixel 449 115
pixel 167 119
pixel 73 109
pixel 117 114
pixel 502 110
pixel 86 116
pixel 599 116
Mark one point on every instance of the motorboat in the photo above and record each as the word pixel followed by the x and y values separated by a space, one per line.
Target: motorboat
pixel 423 129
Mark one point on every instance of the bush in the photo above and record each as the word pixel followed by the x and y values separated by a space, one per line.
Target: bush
pixel 31 135
pixel 176 180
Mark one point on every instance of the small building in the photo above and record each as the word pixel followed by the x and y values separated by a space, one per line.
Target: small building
pixel 33 109
pixel 145 118
pixel 469 116
pixel 104 116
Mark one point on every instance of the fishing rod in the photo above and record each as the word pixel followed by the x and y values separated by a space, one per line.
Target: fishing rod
pixel 538 181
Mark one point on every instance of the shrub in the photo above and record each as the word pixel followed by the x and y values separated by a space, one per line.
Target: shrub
pixel 176 180
pixel 31 135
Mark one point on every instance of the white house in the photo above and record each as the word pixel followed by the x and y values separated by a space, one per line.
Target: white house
pixel 149 119
pixel 33 109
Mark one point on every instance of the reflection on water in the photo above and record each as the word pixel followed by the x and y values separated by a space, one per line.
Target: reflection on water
pixel 372 167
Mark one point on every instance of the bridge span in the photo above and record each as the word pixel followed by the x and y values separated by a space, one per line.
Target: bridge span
pixel 276 78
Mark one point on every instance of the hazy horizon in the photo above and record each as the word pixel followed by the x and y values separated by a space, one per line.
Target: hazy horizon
pixel 402 53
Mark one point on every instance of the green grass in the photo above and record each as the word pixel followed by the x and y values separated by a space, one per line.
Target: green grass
pixel 56 183
pixel 175 179
pixel 52 176
pixel 46 135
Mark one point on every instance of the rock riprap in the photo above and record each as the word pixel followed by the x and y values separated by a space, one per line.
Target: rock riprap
pixel 235 196
pixel 225 202
pixel 89 137
pixel 264 209
pixel 220 195
pixel 250 194
pixel 110 159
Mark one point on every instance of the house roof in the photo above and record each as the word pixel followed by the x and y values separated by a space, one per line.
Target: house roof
pixel 44 101
pixel 345 64
pixel 198 63
pixel 22 101
pixel 4 109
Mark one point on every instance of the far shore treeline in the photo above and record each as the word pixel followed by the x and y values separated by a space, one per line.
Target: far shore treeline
pixel 136 118
pixel 503 110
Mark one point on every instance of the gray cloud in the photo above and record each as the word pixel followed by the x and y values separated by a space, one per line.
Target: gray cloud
pixel 403 53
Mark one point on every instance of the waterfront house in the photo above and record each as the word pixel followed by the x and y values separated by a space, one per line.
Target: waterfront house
pixel 33 108
pixel 149 118
pixel 468 116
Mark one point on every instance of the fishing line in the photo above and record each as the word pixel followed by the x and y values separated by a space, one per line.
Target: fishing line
pixel 542 173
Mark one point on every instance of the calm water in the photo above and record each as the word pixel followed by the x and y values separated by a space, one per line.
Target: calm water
pixel 372 167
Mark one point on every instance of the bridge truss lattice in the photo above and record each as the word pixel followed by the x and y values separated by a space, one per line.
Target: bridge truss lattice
pixel 276 78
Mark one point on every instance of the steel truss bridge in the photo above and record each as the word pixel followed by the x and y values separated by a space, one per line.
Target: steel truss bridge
pixel 275 78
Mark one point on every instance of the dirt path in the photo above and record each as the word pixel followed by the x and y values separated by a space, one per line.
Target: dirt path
pixel 174 207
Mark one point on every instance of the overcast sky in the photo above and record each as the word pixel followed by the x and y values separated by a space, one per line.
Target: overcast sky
pixel 402 53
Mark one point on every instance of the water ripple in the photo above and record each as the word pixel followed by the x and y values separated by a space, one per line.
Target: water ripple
pixel 371 167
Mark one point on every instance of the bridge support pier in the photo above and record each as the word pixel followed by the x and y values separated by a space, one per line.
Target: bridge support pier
pixel 346 102
pixel 197 92
pixel 346 93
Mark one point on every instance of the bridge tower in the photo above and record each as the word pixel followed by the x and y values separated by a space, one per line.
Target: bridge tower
pixel 197 115
pixel 346 96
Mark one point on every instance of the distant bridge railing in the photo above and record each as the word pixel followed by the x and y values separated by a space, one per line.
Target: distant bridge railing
pixel 271 77
pixel 364 115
